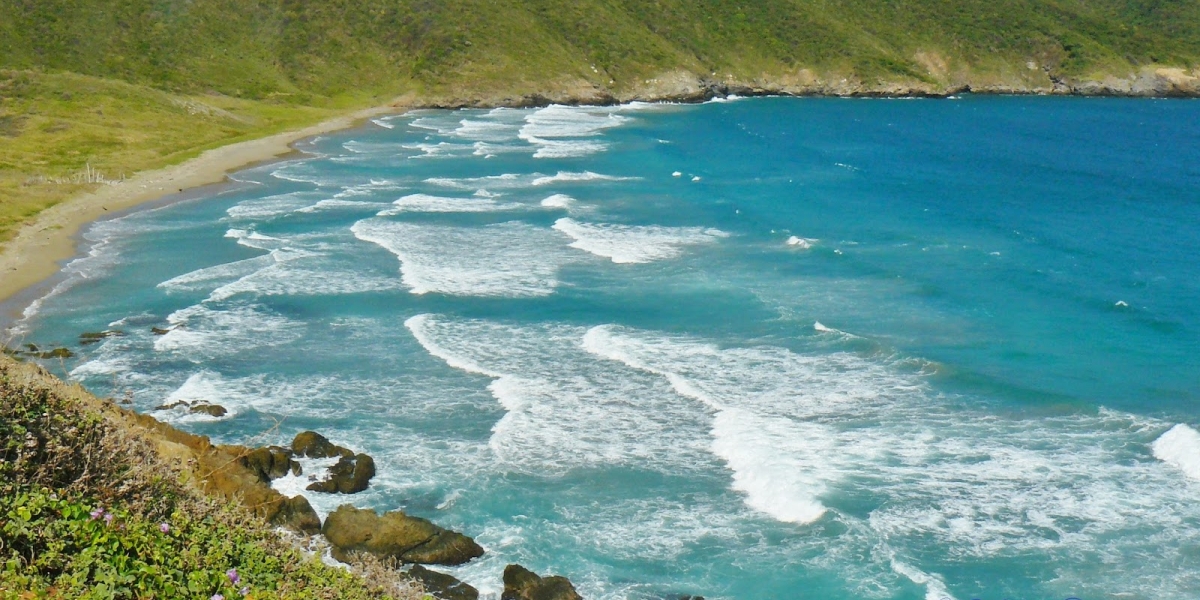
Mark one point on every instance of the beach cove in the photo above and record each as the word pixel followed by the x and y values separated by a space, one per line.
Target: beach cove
pixel 868 348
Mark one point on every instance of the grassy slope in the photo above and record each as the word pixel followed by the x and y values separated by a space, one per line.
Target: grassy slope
pixel 65 454
pixel 117 83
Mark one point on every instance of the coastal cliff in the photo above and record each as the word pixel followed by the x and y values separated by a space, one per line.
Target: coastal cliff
pixel 99 502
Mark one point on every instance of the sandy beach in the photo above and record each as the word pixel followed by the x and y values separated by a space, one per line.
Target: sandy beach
pixel 38 249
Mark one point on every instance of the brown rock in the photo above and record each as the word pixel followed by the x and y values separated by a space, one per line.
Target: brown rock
pixel 396 535
pixel 351 474
pixel 522 584
pixel 442 586
pixel 315 445
pixel 212 410
pixel 270 463
pixel 297 514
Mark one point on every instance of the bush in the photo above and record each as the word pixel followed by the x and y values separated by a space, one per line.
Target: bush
pixel 89 510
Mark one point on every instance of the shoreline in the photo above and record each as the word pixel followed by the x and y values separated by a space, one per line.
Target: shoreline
pixel 38 251
pixel 36 255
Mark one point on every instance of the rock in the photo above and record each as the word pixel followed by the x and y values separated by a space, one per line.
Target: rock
pixel 56 353
pixel 314 445
pixel 271 463
pixel 441 585
pixel 297 514
pixel 351 474
pixel 171 405
pixel 522 584
pixel 395 535
pixel 212 410
pixel 92 338
pixel 160 330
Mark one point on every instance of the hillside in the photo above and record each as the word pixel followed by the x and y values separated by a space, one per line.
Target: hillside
pixel 112 87
pixel 98 503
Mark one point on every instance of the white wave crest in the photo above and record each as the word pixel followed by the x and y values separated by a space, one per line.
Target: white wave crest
pixel 625 244
pixel 1180 448
pixel 507 259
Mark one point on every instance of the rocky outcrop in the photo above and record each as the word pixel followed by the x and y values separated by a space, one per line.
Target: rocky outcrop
pixel 351 474
pixel 396 536
pixel 212 410
pixel 196 408
pixel 311 444
pixel 96 336
pixel 226 473
pixel 271 463
pixel 522 584
pixel 441 585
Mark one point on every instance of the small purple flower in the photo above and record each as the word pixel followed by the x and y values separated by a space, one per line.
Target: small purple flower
pixel 97 513
pixel 244 591
pixel 165 528
pixel 217 597
pixel 108 518
pixel 233 576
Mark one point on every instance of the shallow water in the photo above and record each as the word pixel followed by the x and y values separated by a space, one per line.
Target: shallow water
pixel 767 348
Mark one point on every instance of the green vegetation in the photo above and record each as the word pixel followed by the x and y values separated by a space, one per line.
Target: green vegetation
pixel 88 509
pixel 125 85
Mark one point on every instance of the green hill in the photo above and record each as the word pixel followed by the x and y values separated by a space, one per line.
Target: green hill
pixel 249 67
pixel 273 47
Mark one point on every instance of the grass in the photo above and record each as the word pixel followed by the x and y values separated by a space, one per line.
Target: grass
pixel 56 127
pixel 88 509
pixel 129 85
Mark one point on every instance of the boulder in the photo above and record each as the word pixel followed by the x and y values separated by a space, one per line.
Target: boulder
pixel 314 445
pixel 297 514
pixel 271 463
pixel 93 337
pixel 522 584
pixel 441 585
pixel 160 330
pixel 351 474
pixel 397 536
pixel 56 353
pixel 212 410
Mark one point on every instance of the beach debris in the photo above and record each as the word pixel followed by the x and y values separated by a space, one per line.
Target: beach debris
pixel 395 536
pixel 522 584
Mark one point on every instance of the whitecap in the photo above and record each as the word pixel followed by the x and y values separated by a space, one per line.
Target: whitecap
pixel 626 244
pixel 801 243
pixel 507 259
pixel 442 204
pixel 1180 448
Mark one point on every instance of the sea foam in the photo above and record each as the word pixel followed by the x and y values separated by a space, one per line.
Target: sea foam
pixel 625 244
pixel 507 259
pixel 1180 448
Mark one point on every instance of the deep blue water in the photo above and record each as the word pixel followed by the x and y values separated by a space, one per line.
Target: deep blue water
pixel 770 348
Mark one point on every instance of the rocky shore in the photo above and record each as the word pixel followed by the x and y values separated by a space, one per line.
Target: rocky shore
pixel 687 87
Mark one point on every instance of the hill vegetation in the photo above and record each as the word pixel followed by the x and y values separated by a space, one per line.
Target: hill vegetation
pixel 117 86
pixel 90 508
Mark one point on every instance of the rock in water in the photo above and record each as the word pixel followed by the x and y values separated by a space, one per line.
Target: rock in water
pixel 271 463
pixel 351 474
pixel 522 584
pixel 315 445
pixel 441 585
pixel 297 514
pixel 395 535
pixel 212 410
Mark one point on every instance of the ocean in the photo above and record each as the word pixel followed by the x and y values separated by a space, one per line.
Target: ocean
pixel 748 349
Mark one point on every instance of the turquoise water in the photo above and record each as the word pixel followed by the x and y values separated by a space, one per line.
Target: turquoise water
pixel 770 348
